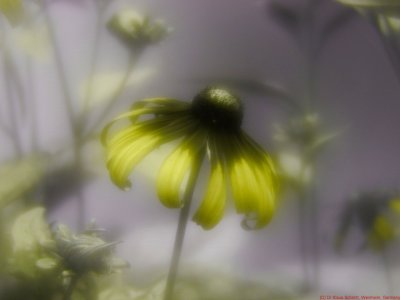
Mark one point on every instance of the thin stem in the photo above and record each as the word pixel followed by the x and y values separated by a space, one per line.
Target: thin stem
pixel 314 225
pixel 302 210
pixel 33 110
pixel 10 77
pixel 92 65
pixel 387 271
pixel 60 68
pixel 74 123
pixel 70 289
pixel 115 97
pixel 389 48
pixel 11 109
pixel 180 232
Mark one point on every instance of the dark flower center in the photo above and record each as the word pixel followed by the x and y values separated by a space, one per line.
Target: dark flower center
pixel 218 108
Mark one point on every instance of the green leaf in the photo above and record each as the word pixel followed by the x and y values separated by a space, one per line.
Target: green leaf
pixel 31 240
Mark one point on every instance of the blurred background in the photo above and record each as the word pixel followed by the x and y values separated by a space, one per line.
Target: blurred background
pixel 320 86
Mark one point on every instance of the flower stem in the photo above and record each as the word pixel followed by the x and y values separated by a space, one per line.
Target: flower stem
pixel 115 97
pixel 302 210
pixel 93 60
pixel 74 122
pixel 60 68
pixel 70 289
pixel 181 229
pixel 388 272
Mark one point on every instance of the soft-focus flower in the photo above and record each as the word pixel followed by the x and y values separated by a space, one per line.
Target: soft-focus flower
pixel 12 10
pixel 299 141
pixel 135 29
pixel 210 123
pixel 376 214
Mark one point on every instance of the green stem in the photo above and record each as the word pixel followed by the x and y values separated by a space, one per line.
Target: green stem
pixel 14 128
pixel 60 68
pixel 33 110
pixel 74 123
pixel 314 224
pixel 388 272
pixel 115 97
pixel 302 210
pixel 181 229
pixel 70 289
pixel 93 61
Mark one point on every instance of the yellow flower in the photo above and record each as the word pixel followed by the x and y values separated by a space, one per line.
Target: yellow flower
pixel 210 123
pixel 376 215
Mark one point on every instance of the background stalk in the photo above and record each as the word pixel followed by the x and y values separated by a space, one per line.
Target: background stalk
pixel 181 229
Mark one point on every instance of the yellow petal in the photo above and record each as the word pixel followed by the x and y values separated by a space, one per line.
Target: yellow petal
pixel 141 108
pixel 253 181
pixel 126 151
pixel 212 207
pixel 132 144
pixel 175 169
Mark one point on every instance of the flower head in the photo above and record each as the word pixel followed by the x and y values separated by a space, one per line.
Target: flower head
pixel 299 142
pixel 210 123
pixel 135 29
pixel 377 216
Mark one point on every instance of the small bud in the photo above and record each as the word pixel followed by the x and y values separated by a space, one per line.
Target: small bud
pixel 137 30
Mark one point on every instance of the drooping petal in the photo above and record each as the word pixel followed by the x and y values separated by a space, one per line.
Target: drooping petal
pixel 175 169
pixel 131 145
pixel 253 181
pixel 150 106
pixel 211 209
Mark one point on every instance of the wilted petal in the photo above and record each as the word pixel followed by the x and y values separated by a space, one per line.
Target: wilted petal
pixel 140 108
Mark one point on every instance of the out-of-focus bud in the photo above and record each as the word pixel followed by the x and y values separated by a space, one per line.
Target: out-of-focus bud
pixel 294 169
pixel 137 30
pixel 299 141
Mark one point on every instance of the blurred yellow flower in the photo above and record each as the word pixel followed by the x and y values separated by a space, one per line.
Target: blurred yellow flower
pixel 12 10
pixel 211 123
